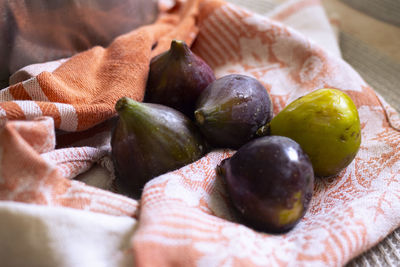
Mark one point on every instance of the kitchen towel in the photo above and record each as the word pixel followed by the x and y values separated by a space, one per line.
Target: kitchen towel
pixel 184 217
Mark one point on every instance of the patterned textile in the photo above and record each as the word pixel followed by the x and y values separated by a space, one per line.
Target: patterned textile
pixel 184 217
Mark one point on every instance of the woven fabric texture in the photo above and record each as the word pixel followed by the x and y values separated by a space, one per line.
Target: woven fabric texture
pixel 56 127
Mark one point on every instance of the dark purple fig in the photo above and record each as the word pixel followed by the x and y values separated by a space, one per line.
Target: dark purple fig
pixel 270 182
pixel 177 77
pixel 150 140
pixel 231 110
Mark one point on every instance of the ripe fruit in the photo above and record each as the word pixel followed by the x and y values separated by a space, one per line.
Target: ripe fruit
pixel 150 140
pixel 177 77
pixel 270 182
pixel 231 109
pixel 326 125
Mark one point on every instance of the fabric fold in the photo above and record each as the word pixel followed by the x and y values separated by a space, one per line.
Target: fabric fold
pixel 82 91
pixel 185 216
pixel 27 176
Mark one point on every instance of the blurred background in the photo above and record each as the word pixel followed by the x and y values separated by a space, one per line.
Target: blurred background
pixel 368 34
pixel 43 30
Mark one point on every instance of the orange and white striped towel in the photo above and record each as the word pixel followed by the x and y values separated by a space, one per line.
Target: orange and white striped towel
pixel 184 217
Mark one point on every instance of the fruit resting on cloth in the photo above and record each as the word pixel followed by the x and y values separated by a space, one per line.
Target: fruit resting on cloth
pixel 326 125
pixel 150 140
pixel 231 109
pixel 270 182
pixel 177 77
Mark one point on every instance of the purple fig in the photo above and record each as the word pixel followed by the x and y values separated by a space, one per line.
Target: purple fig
pixel 149 140
pixel 177 77
pixel 231 110
pixel 270 181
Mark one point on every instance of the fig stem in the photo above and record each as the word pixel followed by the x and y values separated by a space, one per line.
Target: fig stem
pixel 125 102
pixel 199 116
pixel 263 130
pixel 178 48
pixel 121 103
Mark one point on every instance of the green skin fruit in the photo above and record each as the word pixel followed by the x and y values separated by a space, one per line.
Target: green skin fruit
pixel 326 125
pixel 149 140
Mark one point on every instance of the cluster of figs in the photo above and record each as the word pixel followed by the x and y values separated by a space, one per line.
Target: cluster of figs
pixel 187 112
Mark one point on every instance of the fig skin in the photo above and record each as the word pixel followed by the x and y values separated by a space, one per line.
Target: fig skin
pixel 231 110
pixel 326 124
pixel 177 77
pixel 149 140
pixel 270 182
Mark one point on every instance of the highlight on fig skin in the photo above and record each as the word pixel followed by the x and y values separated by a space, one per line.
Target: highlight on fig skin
pixel 231 110
pixel 326 124
pixel 270 182
pixel 177 77
pixel 149 140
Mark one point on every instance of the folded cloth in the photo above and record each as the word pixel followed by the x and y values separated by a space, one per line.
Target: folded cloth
pixel 41 30
pixel 78 100
pixel 184 217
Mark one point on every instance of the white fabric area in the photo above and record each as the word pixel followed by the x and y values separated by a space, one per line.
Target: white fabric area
pixel 33 235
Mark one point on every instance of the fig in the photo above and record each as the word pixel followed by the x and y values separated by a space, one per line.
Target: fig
pixel 231 110
pixel 149 140
pixel 177 77
pixel 270 182
pixel 326 124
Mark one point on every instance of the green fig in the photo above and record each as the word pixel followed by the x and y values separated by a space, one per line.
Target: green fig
pixel 149 140
pixel 326 125
pixel 231 110
pixel 270 181
pixel 177 77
